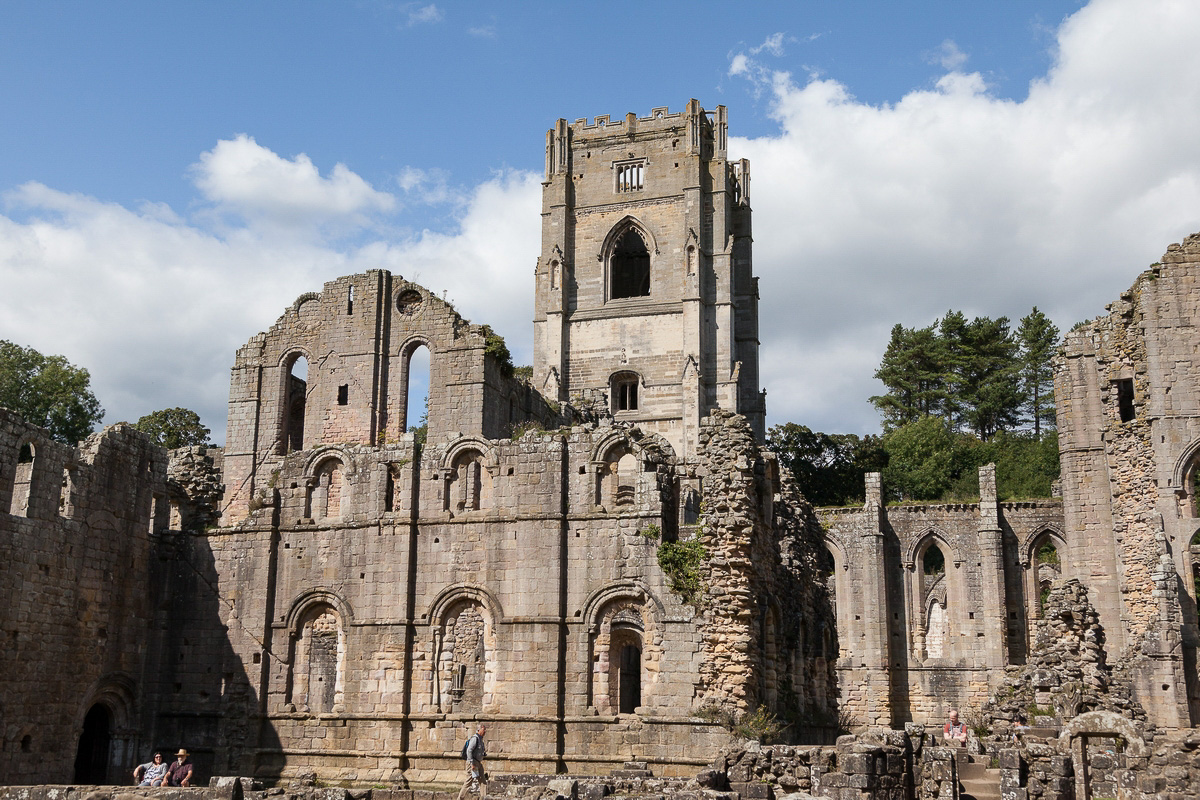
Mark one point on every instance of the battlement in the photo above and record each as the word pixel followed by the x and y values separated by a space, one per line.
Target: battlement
pixel 604 123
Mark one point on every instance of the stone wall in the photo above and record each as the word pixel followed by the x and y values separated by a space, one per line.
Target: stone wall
pixel 933 599
pixel 1129 430
pixel 81 578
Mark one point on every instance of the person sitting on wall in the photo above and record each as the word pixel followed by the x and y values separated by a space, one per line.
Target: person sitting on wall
pixel 152 772
pixel 180 771
pixel 954 732
pixel 475 753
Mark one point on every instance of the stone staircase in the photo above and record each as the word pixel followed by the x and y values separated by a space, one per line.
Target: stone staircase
pixel 977 781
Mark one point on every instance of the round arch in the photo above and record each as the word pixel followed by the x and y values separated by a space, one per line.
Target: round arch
pixel 320 596
pixel 468 443
pixel 451 595
pixel 625 590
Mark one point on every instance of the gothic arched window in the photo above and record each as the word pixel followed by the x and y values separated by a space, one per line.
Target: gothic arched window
pixel 629 266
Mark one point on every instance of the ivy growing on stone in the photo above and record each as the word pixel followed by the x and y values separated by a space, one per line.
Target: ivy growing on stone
pixel 680 562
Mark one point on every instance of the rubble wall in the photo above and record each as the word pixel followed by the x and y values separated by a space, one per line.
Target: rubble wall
pixel 1129 422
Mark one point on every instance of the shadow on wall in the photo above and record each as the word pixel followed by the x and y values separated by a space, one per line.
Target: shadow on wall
pixel 206 699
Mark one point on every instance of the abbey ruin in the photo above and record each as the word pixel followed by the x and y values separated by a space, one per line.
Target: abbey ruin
pixel 598 558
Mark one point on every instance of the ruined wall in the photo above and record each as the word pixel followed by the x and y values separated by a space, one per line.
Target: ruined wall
pixel 358 336
pixel 78 542
pixel 1129 428
pixel 933 599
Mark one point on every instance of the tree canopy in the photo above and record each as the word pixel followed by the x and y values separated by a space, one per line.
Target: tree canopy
pixel 828 468
pixel 48 391
pixel 974 375
pixel 174 427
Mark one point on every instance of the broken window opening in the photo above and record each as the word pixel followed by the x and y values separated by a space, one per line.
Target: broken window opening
pixel 295 399
pixel 22 492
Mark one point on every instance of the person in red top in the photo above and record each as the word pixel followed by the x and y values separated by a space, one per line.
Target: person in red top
pixel 180 771
pixel 954 732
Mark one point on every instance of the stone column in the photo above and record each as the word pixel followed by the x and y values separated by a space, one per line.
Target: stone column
pixel 873 586
pixel 991 550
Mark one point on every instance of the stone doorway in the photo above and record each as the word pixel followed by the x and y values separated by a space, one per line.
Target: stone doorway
pixel 91 759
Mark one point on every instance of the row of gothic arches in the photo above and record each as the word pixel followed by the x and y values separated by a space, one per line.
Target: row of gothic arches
pixel 623 645
pixel 935 592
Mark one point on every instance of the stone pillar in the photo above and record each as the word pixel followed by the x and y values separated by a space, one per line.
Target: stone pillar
pixel 991 551
pixel 872 576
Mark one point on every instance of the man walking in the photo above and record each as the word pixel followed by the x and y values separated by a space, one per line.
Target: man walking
pixel 475 753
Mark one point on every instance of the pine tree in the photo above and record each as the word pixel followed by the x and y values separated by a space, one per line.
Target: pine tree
pixel 1038 338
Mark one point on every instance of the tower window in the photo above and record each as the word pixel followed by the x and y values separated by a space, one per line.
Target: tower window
pixel 625 392
pixel 343 394
pixel 630 266
pixel 1124 389
pixel 630 176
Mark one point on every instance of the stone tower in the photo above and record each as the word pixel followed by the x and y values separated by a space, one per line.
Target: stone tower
pixel 646 298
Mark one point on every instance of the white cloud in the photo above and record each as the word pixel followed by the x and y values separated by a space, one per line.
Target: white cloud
pixel 242 176
pixel 424 14
pixel 865 216
pixel 870 215
pixel 773 44
pixel 155 305
pixel 947 55
pixel 483 31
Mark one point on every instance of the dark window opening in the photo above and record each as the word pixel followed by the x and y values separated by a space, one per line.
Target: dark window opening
pixel 934 563
pixel 631 679
pixel 350 301
pixel 626 394
pixel 630 265
pixel 296 395
pixel 1125 398
pixel 343 394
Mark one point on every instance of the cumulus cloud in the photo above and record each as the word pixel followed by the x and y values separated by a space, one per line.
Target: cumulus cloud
pixel 242 176
pixel 866 216
pixel 155 304
pixel 948 56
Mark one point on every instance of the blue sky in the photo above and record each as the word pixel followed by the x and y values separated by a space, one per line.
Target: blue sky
pixel 174 174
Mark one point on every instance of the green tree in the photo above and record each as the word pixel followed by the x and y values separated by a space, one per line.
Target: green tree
pixel 828 468
pixel 913 370
pixel 1038 339
pixel 48 391
pixel 922 460
pixel 174 427
pixel 964 372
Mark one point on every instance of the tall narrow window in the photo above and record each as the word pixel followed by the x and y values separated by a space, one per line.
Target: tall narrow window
pixel 418 375
pixel 295 398
pixel 1124 389
pixel 350 301
pixel 23 482
pixel 344 394
pixel 625 392
pixel 630 266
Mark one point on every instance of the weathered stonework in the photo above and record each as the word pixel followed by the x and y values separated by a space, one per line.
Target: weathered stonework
pixel 602 563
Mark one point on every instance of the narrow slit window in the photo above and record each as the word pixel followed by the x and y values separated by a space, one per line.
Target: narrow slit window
pixel 343 394
pixel 1125 398
pixel 350 301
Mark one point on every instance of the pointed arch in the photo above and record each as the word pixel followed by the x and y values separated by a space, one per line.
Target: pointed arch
pixel 628 255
